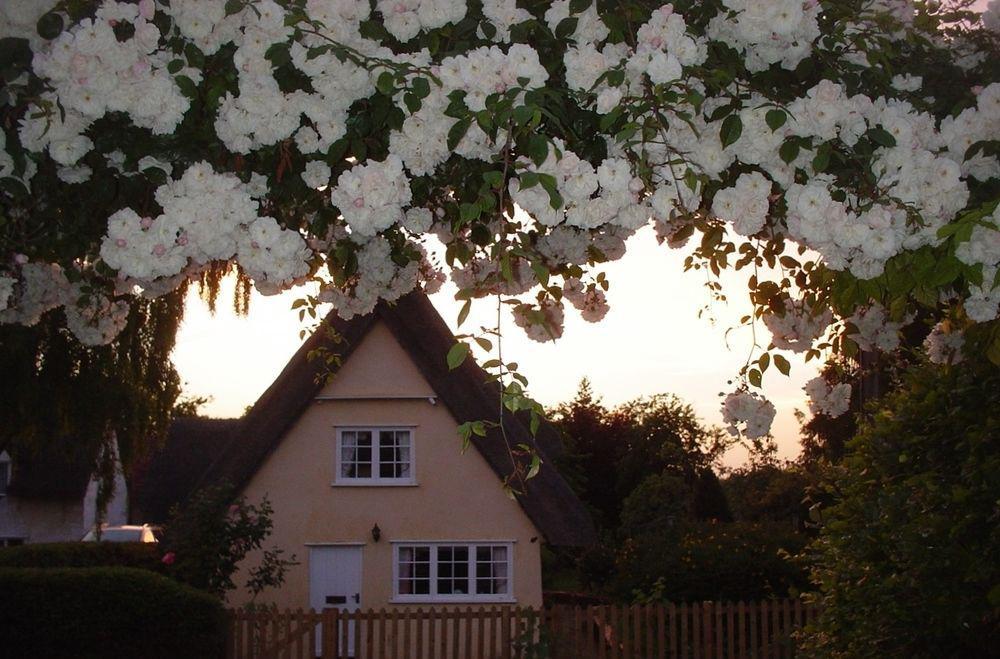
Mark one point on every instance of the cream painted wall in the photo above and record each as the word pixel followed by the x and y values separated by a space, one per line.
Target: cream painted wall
pixel 456 497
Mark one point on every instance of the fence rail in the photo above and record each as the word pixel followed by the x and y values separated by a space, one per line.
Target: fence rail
pixel 705 630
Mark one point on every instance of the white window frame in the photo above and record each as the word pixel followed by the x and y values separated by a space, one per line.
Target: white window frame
pixel 470 597
pixel 341 480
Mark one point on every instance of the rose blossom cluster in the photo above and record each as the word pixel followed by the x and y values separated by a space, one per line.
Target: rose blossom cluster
pixel 378 277
pixel 824 399
pixel 983 303
pixel 404 19
pixel 206 217
pixel 580 207
pixel 372 197
pixel 19 19
pixel 747 412
pixel 543 322
pixel 502 15
pixel 745 205
pixel 41 287
pixel 944 344
pixel 92 73
pixel 798 328
pixel 99 321
pixel 768 31
pixel 590 300
pixel 874 329
pixel 591 198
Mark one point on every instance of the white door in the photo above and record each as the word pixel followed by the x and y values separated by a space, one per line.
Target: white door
pixel 335 583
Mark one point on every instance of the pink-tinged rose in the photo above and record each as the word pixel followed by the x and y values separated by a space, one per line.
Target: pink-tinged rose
pixel 169 558
pixel 146 9
pixel 359 202
pixel 121 242
pixel 20 259
pixel 146 222
pixel 233 509
pixel 977 89
pixel 159 250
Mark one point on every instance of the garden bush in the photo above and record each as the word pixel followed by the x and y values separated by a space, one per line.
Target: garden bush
pixel 144 555
pixel 106 612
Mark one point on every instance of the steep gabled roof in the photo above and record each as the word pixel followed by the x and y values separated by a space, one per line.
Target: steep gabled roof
pixel 547 499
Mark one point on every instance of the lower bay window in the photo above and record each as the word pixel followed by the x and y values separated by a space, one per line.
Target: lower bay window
pixel 453 572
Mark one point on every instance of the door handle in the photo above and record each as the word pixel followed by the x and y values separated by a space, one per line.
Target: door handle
pixel 357 598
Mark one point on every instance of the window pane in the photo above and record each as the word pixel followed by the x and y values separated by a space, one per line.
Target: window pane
pixel 394 454
pixel 414 570
pixel 356 454
pixel 491 570
pixel 453 570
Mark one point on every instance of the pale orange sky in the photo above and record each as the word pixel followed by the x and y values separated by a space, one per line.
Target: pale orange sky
pixel 652 341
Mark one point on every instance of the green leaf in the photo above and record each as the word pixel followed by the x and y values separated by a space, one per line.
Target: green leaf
pixel 566 28
pixel 412 102
pixel 782 364
pixel 493 178
pixel 457 132
pixel 278 54
pixel 882 137
pixel 538 149
pixel 578 6
pixel 484 343
pixel 234 7
pixel 775 119
pixel 421 87
pixel 822 159
pixel 469 212
pixel 463 314
pixel 385 83
pixel 457 355
pixel 732 128
pixel 789 150
pixel 187 86
pixel 175 66
pixel 764 362
pixel 536 465
pixel 754 377
pixel 549 183
pixel 50 25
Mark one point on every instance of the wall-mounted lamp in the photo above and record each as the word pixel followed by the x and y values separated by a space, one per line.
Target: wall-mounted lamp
pixel 376 533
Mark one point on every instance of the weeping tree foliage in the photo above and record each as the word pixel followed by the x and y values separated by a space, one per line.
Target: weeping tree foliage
pixel 908 558
pixel 63 401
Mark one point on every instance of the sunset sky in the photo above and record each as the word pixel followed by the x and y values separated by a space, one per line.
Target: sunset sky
pixel 652 341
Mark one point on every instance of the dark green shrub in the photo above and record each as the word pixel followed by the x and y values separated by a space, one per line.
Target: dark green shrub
pixel 106 612
pixel 908 559
pixel 144 555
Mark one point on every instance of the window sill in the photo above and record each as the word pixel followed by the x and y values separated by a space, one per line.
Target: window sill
pixel 364 483
pixel 464 600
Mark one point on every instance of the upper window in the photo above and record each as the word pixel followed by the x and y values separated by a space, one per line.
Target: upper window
pixel 452 572
pixel 375 456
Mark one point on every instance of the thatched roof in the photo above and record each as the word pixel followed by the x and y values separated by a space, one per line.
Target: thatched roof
pixel 170 474
pixel 58 471
pixel 548 500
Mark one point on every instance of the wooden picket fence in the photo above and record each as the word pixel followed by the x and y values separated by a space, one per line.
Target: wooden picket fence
pixel 705 630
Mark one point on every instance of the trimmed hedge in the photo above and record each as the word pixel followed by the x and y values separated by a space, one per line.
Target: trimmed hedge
pixel 81 613
pixel 144 555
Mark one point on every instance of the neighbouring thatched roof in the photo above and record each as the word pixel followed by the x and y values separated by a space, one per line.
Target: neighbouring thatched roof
pixel 548 500
pixel 171 473
pixel 60 470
